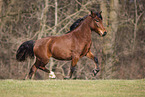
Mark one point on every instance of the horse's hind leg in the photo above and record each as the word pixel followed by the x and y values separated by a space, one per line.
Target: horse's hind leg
pixel 33 70
pixel 43 68
pixel 95 59
pixel 43 63
pixel 37 65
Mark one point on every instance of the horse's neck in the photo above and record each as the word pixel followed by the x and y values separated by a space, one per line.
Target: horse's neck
pixel 84 30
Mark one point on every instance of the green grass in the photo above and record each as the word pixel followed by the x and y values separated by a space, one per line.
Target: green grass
pixel 72 88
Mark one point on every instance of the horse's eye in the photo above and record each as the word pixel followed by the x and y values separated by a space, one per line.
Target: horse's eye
pixel 96 20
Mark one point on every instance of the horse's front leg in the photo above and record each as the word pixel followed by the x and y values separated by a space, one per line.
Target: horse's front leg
pixel 73 64
pixel 95 59
pixel 72 68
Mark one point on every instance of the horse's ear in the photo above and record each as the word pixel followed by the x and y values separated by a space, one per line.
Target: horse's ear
pixel 93 14
pixel 100 12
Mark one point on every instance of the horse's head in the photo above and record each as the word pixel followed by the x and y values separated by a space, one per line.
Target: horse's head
pixel 96 23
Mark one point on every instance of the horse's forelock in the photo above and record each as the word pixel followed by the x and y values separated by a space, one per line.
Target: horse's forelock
pixel 99 15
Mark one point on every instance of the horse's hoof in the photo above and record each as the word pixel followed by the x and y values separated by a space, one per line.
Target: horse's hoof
pixel 26 77
pixel 95 71
pixel 52 75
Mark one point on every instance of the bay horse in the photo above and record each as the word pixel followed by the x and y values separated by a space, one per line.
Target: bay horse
pixel 71 46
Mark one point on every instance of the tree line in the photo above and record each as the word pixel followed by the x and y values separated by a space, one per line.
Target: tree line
pixel 121 52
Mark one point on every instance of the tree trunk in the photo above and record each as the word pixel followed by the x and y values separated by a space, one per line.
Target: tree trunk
pixel 55 28
pixel 43 20
pixel 55 31
pixel 103 7
pixel 109 39
pixel 135 26
pixel 1 4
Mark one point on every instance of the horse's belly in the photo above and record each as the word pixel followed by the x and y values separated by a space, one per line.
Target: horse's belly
pixel 61 53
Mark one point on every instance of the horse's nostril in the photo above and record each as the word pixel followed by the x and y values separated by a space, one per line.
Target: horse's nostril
pixel 104 33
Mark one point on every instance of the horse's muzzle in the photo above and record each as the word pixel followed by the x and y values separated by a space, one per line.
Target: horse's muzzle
pixel 104 33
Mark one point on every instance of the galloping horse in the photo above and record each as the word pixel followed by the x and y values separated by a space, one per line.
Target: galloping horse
pixel 71 46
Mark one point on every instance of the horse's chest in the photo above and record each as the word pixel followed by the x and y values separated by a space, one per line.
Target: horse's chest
pixel 86 49
pixel 82 49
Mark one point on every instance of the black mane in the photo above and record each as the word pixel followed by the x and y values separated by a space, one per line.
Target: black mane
pixel 78 21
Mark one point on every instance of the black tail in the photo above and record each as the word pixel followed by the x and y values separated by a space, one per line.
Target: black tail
pixel 25 50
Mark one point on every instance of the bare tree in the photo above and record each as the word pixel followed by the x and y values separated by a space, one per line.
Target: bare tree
pixel 120 52
pixel 108 45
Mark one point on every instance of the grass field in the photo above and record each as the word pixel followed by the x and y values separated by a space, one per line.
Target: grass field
pixel 72 88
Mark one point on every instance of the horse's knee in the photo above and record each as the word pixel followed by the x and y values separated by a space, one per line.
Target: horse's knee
pixel 96 60
pixel 72 69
